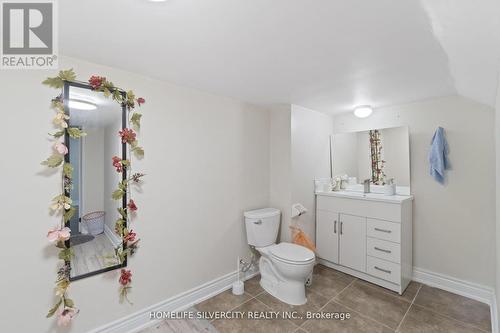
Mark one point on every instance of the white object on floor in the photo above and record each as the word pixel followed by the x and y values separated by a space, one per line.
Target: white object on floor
pixel 284 267
pixel 238 288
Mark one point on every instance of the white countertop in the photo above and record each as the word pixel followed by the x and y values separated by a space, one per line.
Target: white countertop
pixel 367 196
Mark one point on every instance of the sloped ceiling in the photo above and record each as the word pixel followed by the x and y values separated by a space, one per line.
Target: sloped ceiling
pixel 328 55
pixel 469 32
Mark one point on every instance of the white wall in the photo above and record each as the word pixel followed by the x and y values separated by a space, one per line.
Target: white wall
pixel 207 160
pixel 497 147
pixel 93 175
pixel 280 190
pixel 454 225
pixel 310 157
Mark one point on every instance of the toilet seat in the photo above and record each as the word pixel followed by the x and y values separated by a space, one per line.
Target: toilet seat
pixel 292 254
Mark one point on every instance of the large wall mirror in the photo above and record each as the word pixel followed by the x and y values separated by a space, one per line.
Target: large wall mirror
pixel 379 155
pixel 93 240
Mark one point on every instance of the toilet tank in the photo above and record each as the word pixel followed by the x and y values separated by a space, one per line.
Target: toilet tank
pixel 262 226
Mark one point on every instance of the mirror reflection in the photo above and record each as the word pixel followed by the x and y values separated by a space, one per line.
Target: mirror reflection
pixel 94 179
pixel 380 155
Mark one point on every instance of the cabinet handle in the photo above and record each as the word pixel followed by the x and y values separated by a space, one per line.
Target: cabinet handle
pixel 257 222
pixel 335 226
pixel 382 270
pixel 383 230
pixel 382 250
pixel 341 228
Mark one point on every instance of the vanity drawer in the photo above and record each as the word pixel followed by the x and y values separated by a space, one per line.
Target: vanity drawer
pixel 383 249
pixel 360 207
pixel 383 230
pixel 385 270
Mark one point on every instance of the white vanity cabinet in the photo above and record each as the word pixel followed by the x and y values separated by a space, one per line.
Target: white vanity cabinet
pixel 368 236
pixel 327 235
pixel 352 241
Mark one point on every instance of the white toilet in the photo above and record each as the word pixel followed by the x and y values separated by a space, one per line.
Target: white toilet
pixel 284 267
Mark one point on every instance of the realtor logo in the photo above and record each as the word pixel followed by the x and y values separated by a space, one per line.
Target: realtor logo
pixel 28 35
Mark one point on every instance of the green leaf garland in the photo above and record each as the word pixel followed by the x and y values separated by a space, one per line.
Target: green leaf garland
pixel 63 203
pixel 58 81
pixel 136 120
pixel 54 161
pixel 75 132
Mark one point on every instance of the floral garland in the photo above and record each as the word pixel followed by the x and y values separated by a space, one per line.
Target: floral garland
pixel 378 174
pixel 62 203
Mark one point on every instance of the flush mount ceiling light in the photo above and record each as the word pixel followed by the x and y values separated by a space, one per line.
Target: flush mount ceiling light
pixel 81 105
pixel 363 111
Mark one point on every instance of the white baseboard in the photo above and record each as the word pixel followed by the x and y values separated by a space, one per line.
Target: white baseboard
pixel 111 235
pixel 464 288
pixel 140 320
pixel 494 315
pixel 460 287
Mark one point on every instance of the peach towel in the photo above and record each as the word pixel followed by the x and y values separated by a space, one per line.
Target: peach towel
pixel 299 237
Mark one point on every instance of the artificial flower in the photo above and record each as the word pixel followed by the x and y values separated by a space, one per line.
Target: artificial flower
pixel 131 205
pixel 117 163
pixel 68 184
pixel 128 135
pixel 136 177
pixel 130 236
pixel 64 271
pixel 96 81
pixel 66 316
pixel 62 287
pixel 61 148
pixel 58 234
pixel 125 277
pixel 132 247
pixel 118 229
pixel 140 101
pixel 60 120
pixel 60 202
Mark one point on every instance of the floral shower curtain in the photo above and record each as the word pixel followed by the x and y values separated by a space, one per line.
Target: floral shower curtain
pixel 378 175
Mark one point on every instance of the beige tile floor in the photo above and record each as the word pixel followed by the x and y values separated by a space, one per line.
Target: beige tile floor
pixel 373 309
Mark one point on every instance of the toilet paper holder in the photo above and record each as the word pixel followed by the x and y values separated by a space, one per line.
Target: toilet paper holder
pixel 298 210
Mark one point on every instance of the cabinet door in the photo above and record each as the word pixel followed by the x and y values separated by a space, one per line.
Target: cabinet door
pixel 353 242
pixel 327 235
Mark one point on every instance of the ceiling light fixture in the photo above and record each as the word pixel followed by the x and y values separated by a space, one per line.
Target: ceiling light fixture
pixel 363 111
pixel 81 105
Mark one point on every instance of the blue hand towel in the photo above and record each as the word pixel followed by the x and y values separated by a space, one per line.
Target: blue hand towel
pixel 438 156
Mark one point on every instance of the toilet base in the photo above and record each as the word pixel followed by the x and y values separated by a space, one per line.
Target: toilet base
pixel 289 292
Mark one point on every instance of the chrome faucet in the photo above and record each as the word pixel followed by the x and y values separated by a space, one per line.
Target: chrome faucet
pixel 366 185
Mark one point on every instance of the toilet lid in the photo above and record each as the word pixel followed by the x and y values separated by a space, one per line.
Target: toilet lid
pixel 292 252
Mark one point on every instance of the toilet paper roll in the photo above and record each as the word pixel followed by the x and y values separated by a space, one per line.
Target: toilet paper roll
pixel 298 210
